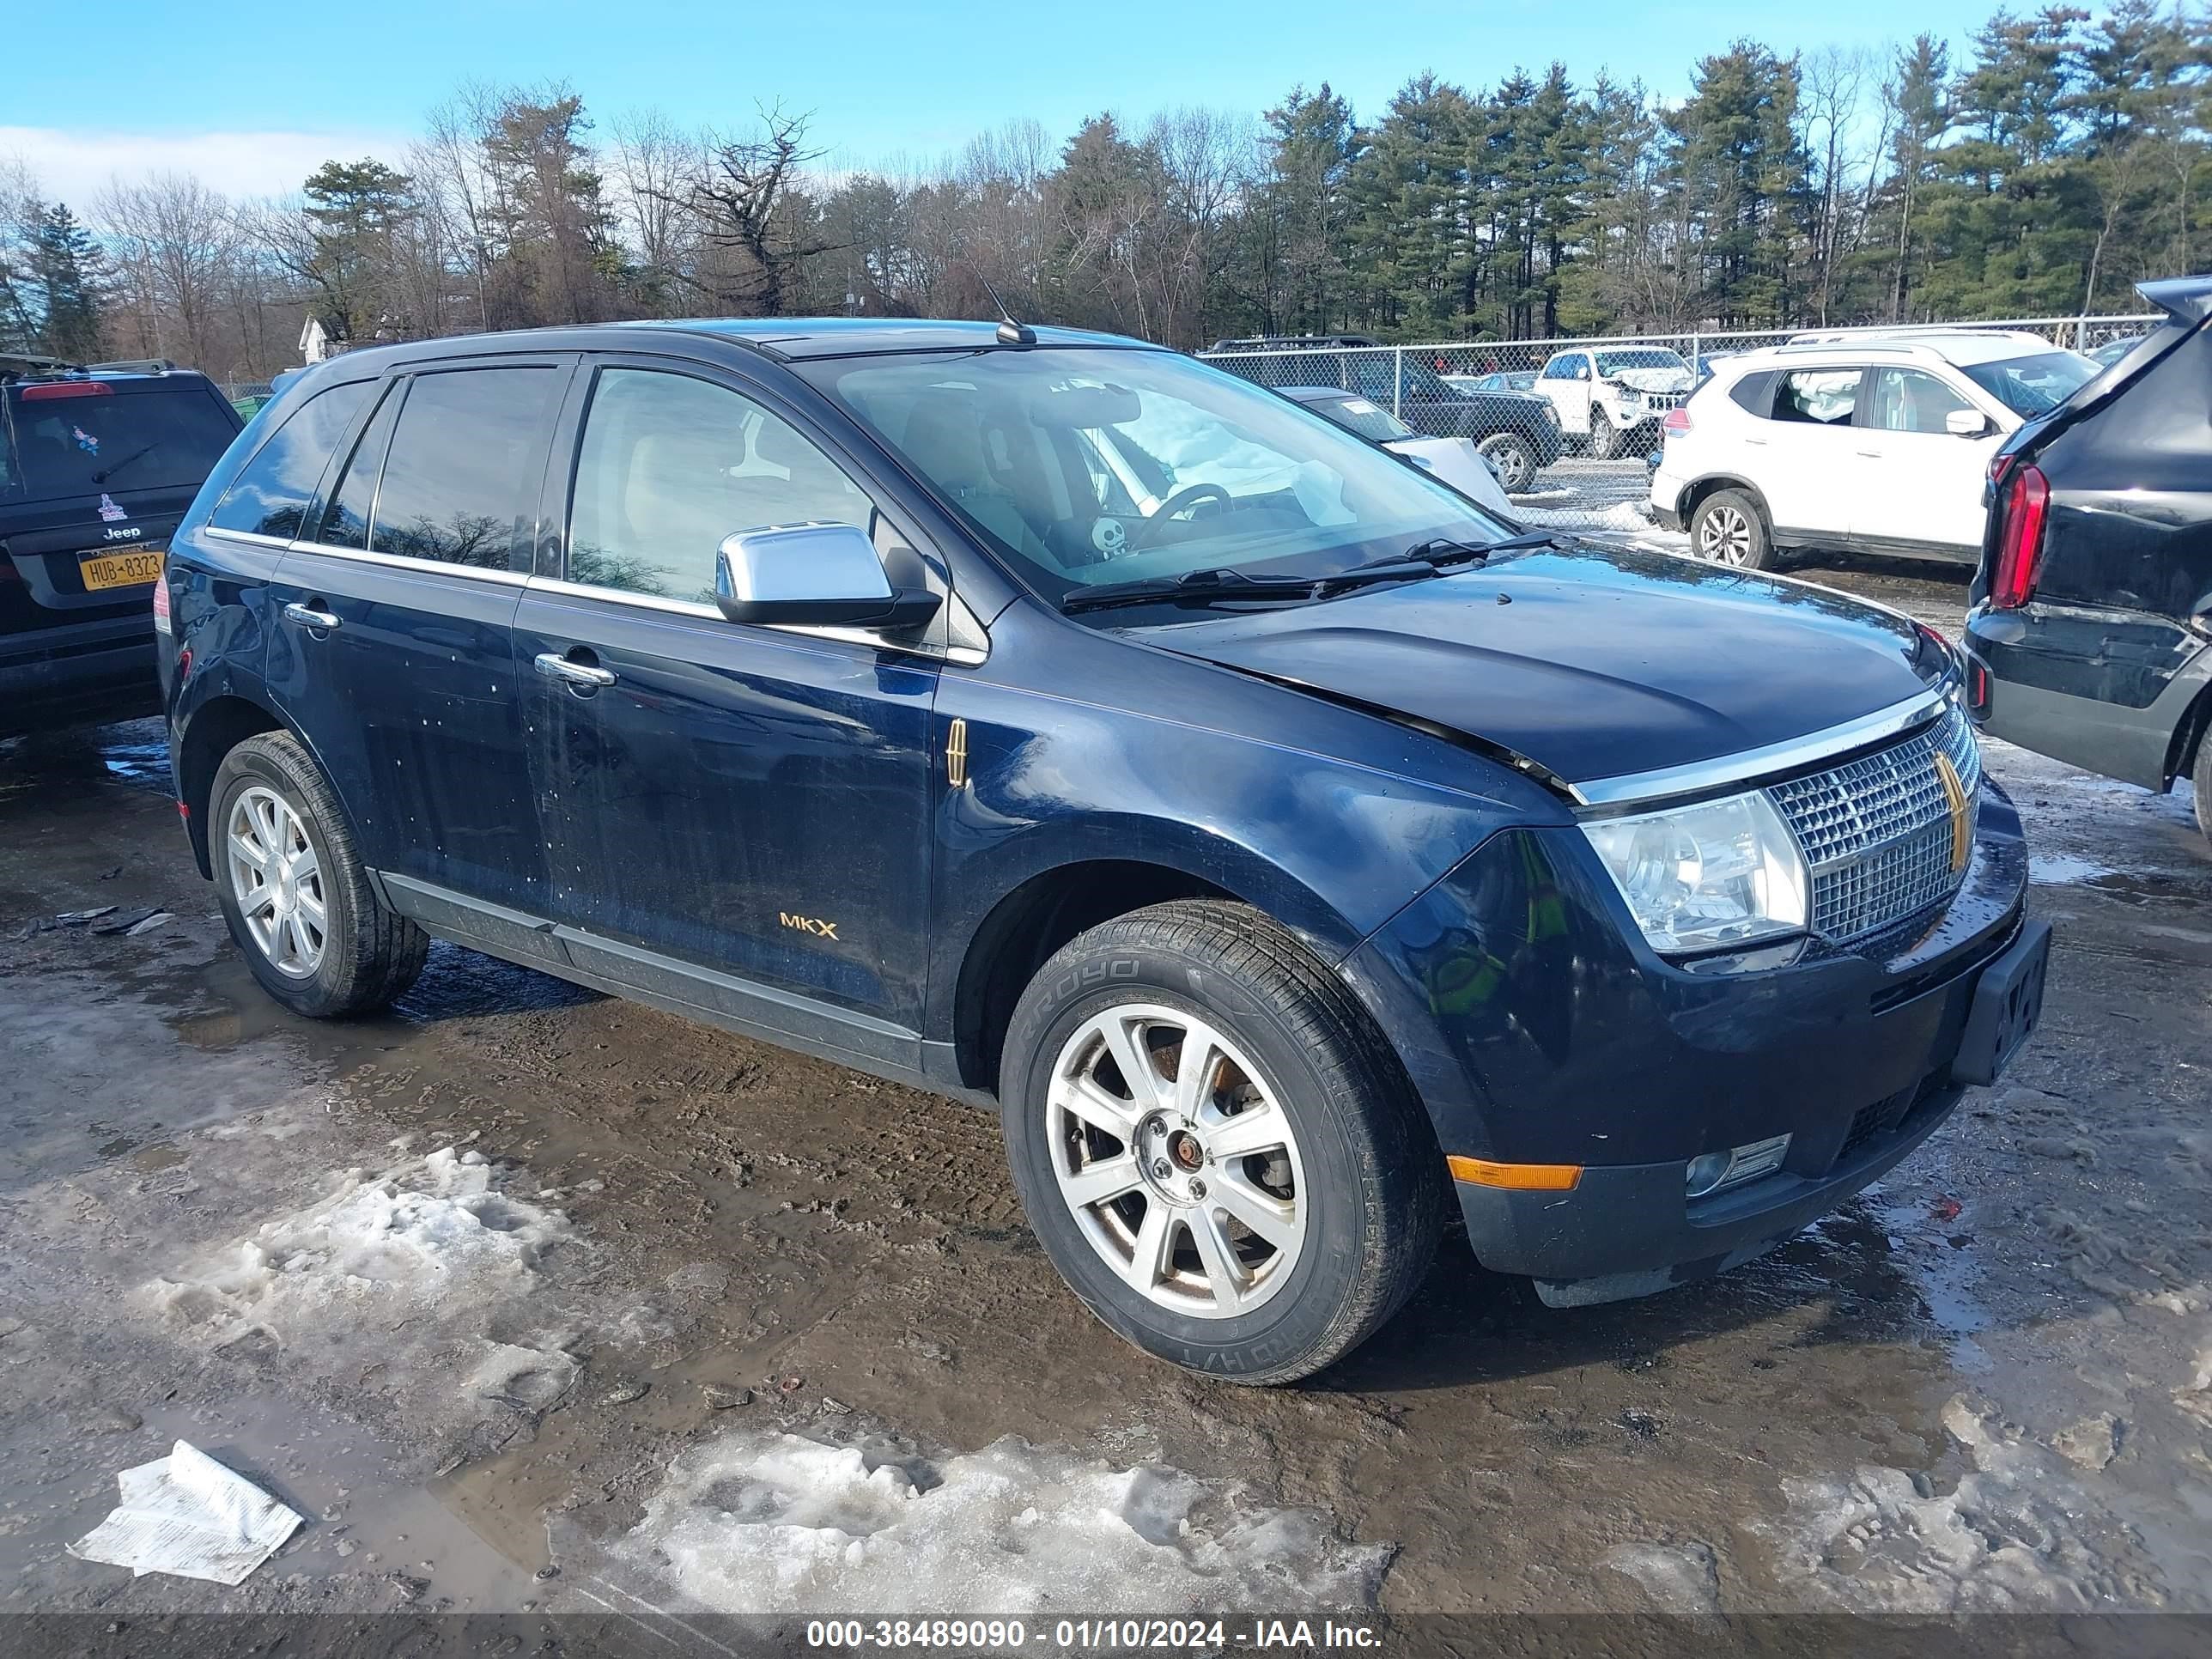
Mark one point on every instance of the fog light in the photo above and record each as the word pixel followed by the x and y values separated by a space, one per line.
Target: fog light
pixel 1711 1171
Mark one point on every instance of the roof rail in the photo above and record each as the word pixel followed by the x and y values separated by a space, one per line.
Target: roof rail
pixel 133 365
pixel 20 365
pixel 1905 334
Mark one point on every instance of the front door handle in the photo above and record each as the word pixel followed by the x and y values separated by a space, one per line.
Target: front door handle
pixel 555 666
pixel 307 617
pixel 1871 454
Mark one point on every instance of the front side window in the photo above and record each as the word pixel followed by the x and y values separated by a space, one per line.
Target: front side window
pixel 671 465
pixel 1825 397
pixel 2033 385
pixel 1211 473
pixel 460 480
pixel 1913 400
pixel 270 496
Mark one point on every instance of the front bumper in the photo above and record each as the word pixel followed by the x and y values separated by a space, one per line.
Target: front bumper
pixel 1540 1030
pixel 78 672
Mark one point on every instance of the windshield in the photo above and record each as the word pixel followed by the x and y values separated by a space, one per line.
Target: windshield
pixel 1370 420
pixel 82 445
pixel 1612 362
pixel 1086 467
pixel 2033 385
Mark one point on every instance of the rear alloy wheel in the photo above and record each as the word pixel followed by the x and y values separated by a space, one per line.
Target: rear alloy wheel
pixel 293 890
pixel 1728 528
pixel 1214 1145
pixel 1509 452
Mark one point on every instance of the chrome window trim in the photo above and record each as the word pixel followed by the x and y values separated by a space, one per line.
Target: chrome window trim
pixel 398 561
pixel 962 656
pixel 1702 777
pixel 251 538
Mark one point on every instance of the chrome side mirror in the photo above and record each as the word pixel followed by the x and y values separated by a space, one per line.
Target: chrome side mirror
pixel 1966 423
pixel 814 573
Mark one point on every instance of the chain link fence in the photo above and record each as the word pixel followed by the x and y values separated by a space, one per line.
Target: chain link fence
pixel 1568 425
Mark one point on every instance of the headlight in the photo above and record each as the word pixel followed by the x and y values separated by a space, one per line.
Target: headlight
pixel 1550 411
pixel 1703 877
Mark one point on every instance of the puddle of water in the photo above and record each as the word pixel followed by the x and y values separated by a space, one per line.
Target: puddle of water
pixel 2064 869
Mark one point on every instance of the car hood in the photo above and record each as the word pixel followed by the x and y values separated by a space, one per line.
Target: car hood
pixel 1591 663
pixel 1652 379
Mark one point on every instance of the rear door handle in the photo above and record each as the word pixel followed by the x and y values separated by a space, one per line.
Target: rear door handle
pixel 307 617
pixel 1871 454
pixel 555 666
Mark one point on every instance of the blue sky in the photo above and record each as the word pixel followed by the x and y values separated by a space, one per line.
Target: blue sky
pixel 253 93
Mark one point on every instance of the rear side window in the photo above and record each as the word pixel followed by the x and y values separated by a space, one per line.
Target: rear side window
pixel 272 495
pixel 1754 393
pixel 1568 366
pixel 345 521
pixel 1823 396
pixel 63 438
pixel 460 480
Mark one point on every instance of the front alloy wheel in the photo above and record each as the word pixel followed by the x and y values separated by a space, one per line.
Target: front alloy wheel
pixel 1176 1164
pixel 276 879
pixel 1218 1149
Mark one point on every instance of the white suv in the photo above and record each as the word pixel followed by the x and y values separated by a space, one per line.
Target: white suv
pixel 1611 398
pixel 1875 444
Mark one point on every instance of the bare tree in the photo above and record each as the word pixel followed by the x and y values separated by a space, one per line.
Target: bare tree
pixel 173 241
pixel 741 201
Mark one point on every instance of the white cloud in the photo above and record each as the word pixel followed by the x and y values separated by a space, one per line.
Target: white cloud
pixel 76 166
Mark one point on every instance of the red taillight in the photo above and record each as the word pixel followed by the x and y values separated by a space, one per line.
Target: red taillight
pixel 1677 421
pixel 2000 463
pixel 46 389
pixel 161 605
pixel 2020 540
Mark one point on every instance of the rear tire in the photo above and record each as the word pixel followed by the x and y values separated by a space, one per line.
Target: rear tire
pixel 294 891
pixel 1728 528
pixel 1514 457
pixel 1295 1113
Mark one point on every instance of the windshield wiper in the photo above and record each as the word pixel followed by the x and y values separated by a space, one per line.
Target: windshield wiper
pixel 1206 586
pixel 139 453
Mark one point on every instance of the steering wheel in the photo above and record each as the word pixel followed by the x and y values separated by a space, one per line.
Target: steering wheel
pixel 1183 501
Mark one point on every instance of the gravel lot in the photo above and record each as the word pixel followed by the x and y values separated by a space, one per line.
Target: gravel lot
pixel 517 1293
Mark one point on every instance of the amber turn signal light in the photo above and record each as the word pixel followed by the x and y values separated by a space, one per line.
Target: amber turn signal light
pixel 1518 1177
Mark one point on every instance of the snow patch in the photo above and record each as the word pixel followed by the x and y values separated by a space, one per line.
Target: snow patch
pixel 2019 1534
pixel 378 1250
pixel 1622 515
pixel 1680 1579
pixel 761 1522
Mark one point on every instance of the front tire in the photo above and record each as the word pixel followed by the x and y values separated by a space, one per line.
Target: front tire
pixel 294 891
pixel 1217 1148
pixel 1515 459
pixel 1605 436
pixel 1728 528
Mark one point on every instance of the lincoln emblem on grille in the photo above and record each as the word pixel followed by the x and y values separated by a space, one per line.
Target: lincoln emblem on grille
pixel 1962 823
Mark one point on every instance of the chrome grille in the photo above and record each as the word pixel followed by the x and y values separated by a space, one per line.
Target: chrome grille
pixel 1876 831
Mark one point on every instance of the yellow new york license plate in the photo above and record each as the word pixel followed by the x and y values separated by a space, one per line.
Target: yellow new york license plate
pixel 131 570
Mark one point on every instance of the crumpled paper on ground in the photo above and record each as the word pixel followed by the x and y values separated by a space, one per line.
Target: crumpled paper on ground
pixel 186 1514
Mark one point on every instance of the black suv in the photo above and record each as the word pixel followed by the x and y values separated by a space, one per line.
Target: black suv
pixel 2091 633
pixel 1285 847
pixel 96 467
pixel 1517 431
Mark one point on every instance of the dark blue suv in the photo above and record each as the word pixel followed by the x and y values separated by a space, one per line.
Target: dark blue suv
pixel 1284 848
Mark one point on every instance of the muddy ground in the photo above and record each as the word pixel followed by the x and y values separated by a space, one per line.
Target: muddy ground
pixel 514 1292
